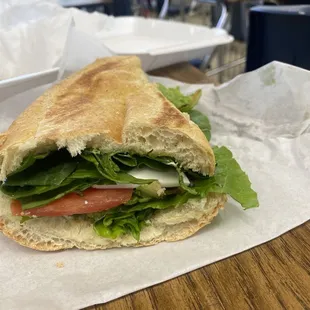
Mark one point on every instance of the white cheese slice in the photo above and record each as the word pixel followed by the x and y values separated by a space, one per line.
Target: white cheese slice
pixel 168 178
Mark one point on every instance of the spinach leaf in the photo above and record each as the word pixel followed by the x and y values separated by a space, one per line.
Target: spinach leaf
pixel 85 170
pixel 125 159
pixel 52 176
pixel 153 163
pixel 202 121
pixel 45 198
pixel 108 169
pixel 17 192
pixel 29 161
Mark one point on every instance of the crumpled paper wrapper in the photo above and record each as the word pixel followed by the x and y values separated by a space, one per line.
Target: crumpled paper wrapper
pixel 32 38
pixel 263 117
pixel 38 37
pixel 35 36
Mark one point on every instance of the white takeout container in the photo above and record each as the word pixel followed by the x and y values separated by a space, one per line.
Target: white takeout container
pixel 21 83
pixel 160 43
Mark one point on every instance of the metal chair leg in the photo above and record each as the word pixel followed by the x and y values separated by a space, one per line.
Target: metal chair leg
pixel 164 10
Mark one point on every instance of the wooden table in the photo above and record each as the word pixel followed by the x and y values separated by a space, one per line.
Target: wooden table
pixel 275 275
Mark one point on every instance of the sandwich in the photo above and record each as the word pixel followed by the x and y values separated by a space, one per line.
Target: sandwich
pixel 107 159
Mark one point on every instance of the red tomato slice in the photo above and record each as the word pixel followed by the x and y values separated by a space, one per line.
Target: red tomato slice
pixel 93 200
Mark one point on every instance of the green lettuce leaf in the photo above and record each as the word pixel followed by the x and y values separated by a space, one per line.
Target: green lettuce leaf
pixel 120 224
pixel 170 201
pixel 131 219
pixel 136 198
pixel 182 102
pixel 186 104
pixel 202 122
pixel 230 179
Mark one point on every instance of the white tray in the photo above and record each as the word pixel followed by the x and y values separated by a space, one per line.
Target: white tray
pixel 21 83
pixel 160 43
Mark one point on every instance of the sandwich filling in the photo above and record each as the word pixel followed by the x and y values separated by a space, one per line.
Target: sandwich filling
pixel 119 192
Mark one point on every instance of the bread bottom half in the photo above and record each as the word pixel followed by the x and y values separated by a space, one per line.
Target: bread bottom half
pixel 58 233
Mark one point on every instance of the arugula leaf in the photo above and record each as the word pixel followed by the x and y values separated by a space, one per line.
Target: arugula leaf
pixel 202 121
pixel 182 102
pixel 229 178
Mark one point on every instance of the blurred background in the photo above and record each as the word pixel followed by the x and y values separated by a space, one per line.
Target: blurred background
pixel 234 16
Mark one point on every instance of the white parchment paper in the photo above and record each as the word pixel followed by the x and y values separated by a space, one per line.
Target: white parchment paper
pixel 263 117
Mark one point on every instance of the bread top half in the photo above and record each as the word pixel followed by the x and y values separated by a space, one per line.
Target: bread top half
pixel 109 105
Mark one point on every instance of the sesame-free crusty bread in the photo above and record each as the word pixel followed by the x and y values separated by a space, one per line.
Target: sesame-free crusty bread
pixel 2 138
pixel 58 233
pixel 108 105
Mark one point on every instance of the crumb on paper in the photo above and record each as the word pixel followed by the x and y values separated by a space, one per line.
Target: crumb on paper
pixel 60 264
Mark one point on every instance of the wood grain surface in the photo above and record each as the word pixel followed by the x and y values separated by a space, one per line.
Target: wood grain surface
pixel 275 275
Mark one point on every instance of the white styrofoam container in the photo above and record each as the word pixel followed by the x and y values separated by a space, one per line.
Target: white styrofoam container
pixel 160 43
